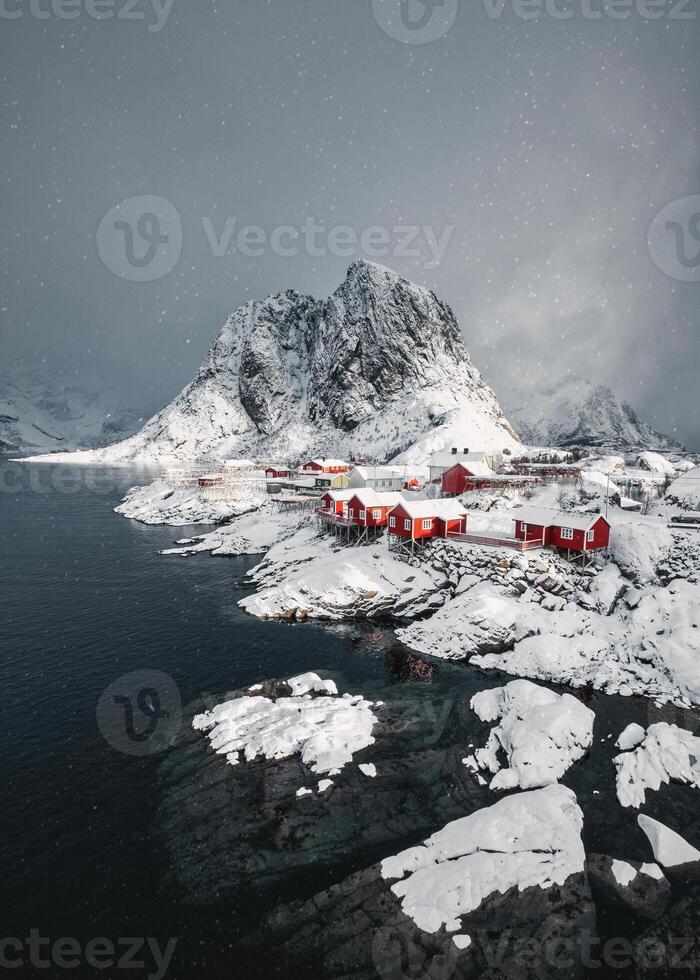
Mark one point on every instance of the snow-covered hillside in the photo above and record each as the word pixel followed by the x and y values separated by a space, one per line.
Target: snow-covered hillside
pixel 42 411
pixel 377 368
pixel 575 412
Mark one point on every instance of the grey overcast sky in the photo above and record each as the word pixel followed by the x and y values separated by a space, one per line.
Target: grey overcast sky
pixel 548 137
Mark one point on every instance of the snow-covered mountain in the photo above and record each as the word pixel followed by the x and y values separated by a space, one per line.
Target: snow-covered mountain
pixel 575 412
pixel 378 369
pixel 41 411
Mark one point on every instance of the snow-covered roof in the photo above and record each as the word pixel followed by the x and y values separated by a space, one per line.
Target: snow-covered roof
pixel 380 472
pixel 448 458
pixel 449 508
pixel 476 467
pixel 370 497
pixel 340 494
pixel 550 517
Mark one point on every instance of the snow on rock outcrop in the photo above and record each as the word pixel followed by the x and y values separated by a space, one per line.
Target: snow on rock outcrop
pixel 375 368
pixel 325 730
pixel 160 502
pixel 639 547
pixel 249 534
pixel 541 734
pixel 575 412
pixel 524 840
pixel 666 753
pixel 46 412
pixel 685 490
pixel 670 849
pixel 309 576
pixel 655 463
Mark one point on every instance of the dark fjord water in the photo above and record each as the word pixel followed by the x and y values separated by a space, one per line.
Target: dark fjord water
pixel 86 598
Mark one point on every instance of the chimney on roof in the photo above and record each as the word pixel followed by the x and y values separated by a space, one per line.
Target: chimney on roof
pixel 466 451
pixel 454 450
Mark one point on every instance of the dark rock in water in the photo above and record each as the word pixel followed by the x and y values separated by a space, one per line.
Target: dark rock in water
pixel 357 929
pixel 644 895
pixel 671 947
pixel 230 827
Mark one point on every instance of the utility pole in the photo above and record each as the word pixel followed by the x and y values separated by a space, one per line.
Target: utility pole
pixel 607 494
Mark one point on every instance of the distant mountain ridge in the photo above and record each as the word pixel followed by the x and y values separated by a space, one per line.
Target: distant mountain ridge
pixel 41 411
pixel 574 411
pixel 379 368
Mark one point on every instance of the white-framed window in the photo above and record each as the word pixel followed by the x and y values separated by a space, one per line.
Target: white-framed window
pixel 392 522
pixel 377 515
pixel 523 527
pixel 567 533
pixel 351 512
pixel 427 524
pixel 407 525
pixel 363 515
pixel 590 535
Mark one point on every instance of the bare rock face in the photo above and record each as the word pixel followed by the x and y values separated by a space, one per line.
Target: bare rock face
pixel 375 368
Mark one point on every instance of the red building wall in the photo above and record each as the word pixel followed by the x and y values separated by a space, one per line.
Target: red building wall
pixel 356 505
pixel 458 480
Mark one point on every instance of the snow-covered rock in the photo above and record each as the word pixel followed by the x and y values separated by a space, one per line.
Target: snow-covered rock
pixel 250 534
pixel 378 367
pixel 666 753
pixel 670 849
pixel 541 734
pixel 310 576
pixel 325 730
pixel 575 412
pixel 160 502
pixel 638 547
pixel 655 463
pixel 524 840
pixel 685 490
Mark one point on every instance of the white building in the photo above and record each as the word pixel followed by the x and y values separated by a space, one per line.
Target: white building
pixel 477 463
pixel 378 477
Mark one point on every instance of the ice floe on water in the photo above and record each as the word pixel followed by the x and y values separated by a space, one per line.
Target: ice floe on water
pixel 325 730
pixel 670 849
pixel 531 838
pixel 664 753
pixel 541 734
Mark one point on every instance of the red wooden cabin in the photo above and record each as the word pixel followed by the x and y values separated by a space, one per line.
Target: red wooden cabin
pixel 277 472
pixel 336 501
pixel 416 520
pixel 559 529
pixel 315 466
pixel 462 477
pixel 368 508
pixel 210 480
